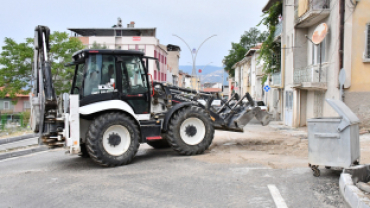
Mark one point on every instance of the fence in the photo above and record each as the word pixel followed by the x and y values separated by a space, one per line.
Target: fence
pixel 11 120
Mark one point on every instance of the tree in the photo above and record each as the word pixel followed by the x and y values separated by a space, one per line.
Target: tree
pixel 270 50
pixel 16 66
pixel 248 40
pixel 96 45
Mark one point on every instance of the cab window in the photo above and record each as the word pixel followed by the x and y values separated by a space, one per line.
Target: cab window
pixel 133 76
pixel 100 76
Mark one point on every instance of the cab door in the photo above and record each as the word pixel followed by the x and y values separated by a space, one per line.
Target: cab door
pixel 135 85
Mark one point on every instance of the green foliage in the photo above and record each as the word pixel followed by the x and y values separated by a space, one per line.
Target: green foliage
pixel 270 50
pixel 16 67
pixel 248 40
pixel 96 45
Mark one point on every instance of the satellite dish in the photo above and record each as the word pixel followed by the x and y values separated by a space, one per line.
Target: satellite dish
pixel 319 34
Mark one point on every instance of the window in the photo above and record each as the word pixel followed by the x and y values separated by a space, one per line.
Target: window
pixel 26 105
pixel 79 78
pixel 316 52
pixel 155 75
pixel 101 70
pixel 165 77
pixel 6 105
pixel 165 60
pixel 118 32
pixel 133 77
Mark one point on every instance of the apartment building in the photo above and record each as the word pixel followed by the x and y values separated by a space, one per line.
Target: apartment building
pixel 309 72
pixel 128 38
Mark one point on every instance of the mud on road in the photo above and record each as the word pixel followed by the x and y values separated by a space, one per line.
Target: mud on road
pixel 267 146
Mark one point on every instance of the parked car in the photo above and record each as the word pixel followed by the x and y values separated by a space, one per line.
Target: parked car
pixel 261 104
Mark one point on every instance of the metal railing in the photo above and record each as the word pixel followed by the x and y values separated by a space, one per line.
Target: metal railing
pixel 312 5
pixel 311 74
pixel 278 29
pixel 276 79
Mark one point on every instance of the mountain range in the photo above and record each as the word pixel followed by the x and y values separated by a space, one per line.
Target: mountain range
pixel 209 73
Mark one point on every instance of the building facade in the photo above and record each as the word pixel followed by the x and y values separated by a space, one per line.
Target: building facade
pixel 130 38
pixel 309 72
pixel 357 59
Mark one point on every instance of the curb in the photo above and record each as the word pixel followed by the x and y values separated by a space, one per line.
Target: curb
pixel 352 195
pixel 18 138
pixel 23 152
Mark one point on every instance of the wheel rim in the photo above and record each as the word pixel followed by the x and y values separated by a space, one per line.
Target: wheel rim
pixel 116 140
pixel 192 131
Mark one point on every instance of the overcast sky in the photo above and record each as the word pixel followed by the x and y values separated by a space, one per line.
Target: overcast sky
pixel 193 20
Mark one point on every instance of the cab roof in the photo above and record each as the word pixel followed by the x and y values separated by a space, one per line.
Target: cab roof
pixel 109 51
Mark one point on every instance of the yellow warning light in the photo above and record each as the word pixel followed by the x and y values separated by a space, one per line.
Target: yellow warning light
pixel 75 142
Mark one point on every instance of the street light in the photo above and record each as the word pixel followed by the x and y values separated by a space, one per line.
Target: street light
pixel 193 54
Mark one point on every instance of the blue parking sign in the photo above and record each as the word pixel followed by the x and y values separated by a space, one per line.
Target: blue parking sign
pixel 266 88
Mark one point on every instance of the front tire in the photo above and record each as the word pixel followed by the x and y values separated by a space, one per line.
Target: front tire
pixel 190 131
pixel 113 139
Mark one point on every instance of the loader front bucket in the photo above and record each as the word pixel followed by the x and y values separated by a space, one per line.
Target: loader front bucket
pixel 248 114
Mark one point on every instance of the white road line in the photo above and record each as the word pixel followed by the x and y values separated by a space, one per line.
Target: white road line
pixel 279 201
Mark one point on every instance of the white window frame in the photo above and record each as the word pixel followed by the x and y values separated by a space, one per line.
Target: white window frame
pixel 366 55
pixel 8 102
pixel 315 55
pixel 24 104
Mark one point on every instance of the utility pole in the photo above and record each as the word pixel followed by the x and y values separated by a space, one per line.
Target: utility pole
pixel 194 54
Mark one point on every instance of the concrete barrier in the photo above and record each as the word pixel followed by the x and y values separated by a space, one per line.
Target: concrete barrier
pixel 352 195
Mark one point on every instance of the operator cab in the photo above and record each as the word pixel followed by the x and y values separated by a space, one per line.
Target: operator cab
pixel 104 75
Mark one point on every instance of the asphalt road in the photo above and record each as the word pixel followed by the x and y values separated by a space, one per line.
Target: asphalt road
pixel 158 179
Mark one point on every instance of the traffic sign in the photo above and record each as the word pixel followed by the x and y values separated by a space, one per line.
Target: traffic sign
pixel 200 71
pixel 266 88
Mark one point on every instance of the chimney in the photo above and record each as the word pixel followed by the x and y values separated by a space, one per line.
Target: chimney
pixel 131 25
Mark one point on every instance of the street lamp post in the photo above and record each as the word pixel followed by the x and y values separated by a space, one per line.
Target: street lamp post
pixel 193 55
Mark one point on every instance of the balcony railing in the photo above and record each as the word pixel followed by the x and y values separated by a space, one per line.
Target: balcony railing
pixel 310 12
pixel 276 79
pixel 278 30
pixel 311 76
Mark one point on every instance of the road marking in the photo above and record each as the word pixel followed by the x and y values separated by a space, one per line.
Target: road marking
pixel 279 201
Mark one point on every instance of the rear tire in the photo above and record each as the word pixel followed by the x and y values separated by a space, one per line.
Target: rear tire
pixel 113 139
pixel 190 131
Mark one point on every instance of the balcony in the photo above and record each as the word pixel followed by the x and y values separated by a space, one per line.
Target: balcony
pixel 278 30
pixel 276 79
pixel 310 77
pixel 310 12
